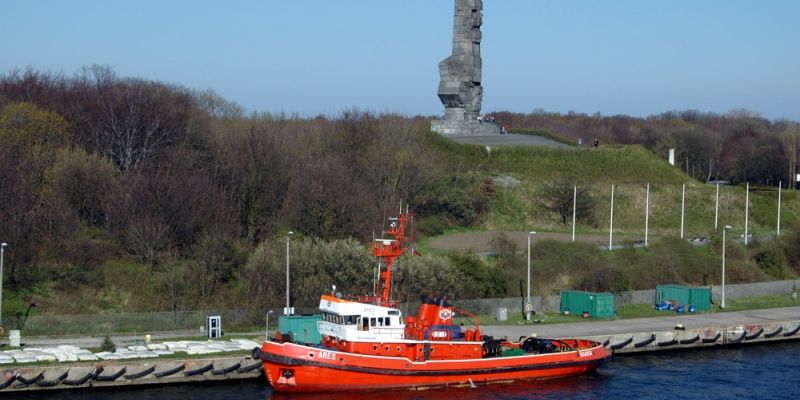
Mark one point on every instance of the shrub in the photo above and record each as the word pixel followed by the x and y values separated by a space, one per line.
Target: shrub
pixel 770 258
pixel 108 344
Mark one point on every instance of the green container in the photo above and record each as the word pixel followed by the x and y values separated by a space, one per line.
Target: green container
pixel 302 327
pixel 686 296
pixel 598 305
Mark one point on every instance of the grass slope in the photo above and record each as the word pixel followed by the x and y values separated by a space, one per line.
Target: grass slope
pixel 629 168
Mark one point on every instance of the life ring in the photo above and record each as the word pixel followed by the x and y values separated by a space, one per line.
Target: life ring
pixel 342 344
pixel 2 331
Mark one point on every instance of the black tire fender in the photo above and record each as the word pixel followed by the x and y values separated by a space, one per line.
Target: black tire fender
pixel 170 371
pixel 622 344
pixel 200 370
pixel 140 374
pixel 646 342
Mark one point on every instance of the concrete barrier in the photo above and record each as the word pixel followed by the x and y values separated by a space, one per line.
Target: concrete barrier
pixel 643 342
pixel 121 374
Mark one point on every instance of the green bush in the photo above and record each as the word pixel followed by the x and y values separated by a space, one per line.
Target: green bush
pixel 791 249
pixel 108 344
pixel 458 199
pixel 771 259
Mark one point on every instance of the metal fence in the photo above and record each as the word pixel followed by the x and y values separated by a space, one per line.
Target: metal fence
pixel 110 323
pixel 551 304
pixel 131 322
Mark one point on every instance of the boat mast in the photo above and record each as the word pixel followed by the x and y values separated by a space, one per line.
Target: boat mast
pixel 388 250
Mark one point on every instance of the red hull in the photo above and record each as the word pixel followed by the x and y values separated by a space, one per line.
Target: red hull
pixel 314 369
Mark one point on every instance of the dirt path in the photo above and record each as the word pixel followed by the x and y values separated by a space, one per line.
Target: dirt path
pixel 479 241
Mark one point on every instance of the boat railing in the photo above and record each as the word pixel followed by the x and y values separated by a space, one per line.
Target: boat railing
pixel 388 332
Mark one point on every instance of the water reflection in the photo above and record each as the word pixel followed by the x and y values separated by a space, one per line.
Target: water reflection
pixel 547 389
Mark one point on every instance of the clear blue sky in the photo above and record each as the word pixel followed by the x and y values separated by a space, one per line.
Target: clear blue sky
pixel 634 57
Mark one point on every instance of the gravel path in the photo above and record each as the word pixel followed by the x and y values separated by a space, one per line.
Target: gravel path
pixel 510 139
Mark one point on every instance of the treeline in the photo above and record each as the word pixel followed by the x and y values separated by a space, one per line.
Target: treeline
pixel 739 146
pixel 97 168
pixel 129 194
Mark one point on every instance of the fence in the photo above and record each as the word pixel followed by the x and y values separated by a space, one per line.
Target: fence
pixel 131 322
pixel 551 304
pixel 98 324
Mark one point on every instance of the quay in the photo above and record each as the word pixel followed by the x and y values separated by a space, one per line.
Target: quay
pixel 119 373
pixel 640 335
pixel 628 336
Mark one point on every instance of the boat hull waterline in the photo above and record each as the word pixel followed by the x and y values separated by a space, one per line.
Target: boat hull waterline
pixel 300 368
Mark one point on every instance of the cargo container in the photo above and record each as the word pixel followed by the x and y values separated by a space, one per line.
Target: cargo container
pixel 302 327
pixel 699 297
pixel 598 305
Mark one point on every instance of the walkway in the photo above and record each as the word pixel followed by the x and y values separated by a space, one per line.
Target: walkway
pixel 652 324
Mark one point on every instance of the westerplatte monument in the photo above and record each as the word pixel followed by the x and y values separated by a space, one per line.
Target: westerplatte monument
pixel 460 87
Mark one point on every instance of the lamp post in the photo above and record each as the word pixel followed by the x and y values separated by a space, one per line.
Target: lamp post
pixel 646 214
pixel 288 310
pixel 574 209
pixel 724 229
pixel 2 250
pixel 527 312
pixel 266 331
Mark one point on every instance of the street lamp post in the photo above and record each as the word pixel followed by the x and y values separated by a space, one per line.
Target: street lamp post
pixel 527 307
pixel 724 229
pixel 646 213
pixel 2 250
pixel 266 331
pixel 288 310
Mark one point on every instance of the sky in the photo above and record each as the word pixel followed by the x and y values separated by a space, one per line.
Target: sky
pixel 310 57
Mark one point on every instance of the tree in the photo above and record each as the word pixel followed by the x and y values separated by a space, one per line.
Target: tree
pixel 215 261
pixel 30 139
pixel 85 183
pixel 324 199
pixel 508 256
pixel 558 198
pixel 419 276
pixel 174 286
pixel 316 264
pixel 135 119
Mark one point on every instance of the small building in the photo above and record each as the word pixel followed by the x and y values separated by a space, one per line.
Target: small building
pixel 303 328
pixel 597 305
pixel 699 297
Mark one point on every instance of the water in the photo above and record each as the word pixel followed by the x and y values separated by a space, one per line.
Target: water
pixel 752 372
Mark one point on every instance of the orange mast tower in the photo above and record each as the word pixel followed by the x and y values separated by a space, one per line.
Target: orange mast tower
pixel 388 250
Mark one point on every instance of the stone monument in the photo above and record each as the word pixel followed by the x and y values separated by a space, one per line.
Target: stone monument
pixel 460 87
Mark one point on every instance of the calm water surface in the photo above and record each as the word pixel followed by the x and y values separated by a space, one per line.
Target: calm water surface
pixel 753 372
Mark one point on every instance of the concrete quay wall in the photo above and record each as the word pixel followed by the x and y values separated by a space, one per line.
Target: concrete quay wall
pixel 124 374
pixel 651 334
pixel 646 342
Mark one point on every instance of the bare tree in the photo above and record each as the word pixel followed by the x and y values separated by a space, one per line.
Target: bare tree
pixel 136 118
pixel 558 198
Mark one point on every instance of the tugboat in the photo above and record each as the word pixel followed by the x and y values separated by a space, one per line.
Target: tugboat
pixel 366 344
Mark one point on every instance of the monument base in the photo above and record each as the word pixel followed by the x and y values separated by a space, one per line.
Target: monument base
pixel 451 128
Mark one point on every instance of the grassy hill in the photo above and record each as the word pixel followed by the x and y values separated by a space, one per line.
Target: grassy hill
pixel 668 259
pixel 629 168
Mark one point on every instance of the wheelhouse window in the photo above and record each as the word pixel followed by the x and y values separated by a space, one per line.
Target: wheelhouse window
pixel 340 319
